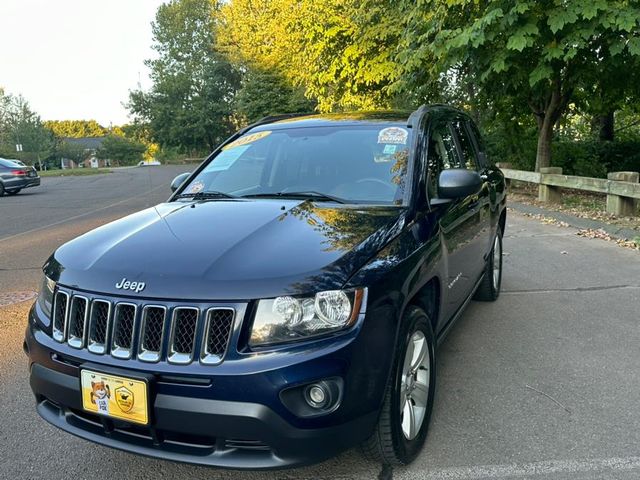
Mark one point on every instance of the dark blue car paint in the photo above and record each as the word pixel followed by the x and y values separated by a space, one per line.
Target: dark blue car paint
pixel 232 252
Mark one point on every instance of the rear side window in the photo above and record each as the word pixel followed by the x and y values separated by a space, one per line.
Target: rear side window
pixel 467 148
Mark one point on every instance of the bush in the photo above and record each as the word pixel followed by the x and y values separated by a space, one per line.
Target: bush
pixel 593 158
pixel 585 158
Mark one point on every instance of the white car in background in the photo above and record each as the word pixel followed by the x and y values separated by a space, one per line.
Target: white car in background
pixel 150 163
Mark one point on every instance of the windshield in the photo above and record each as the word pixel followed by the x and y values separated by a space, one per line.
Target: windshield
pixel 356 164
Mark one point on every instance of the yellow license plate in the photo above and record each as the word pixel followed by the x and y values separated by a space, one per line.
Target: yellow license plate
pixel 118 397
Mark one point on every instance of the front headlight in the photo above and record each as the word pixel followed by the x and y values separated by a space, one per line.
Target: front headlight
pixel 45 296
pixel 286 319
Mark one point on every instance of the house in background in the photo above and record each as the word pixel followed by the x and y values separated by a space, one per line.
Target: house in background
pixel 90 145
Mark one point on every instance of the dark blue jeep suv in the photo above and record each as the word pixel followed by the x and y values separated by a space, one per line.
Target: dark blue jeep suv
pixel 285 303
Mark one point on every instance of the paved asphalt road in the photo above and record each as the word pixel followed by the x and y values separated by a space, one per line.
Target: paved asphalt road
pixel 542 384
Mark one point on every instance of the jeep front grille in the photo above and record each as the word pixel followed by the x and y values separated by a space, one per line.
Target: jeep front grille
pixel 77 321
pixel 218 328
pixel 183 334
pixel 124 320
pixel 99 326
pixel 60 304
pixel 149 332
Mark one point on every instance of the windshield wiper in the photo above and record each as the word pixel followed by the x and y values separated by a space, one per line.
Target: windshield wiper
pixel 308 194
pixel 206 195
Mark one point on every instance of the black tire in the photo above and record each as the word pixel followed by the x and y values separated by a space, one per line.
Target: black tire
pixel 13 192
pixel 489 288
pixel 1 189
pixel 388 444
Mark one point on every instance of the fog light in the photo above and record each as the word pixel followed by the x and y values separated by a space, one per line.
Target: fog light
pixel 317 395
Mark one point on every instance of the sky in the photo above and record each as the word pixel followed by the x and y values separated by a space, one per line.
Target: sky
pixel 76 59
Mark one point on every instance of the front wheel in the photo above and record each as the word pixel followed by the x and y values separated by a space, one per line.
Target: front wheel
pixel 404 419
pixel 489 288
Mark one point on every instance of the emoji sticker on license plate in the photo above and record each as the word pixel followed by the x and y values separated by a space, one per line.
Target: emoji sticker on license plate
pixel 118 397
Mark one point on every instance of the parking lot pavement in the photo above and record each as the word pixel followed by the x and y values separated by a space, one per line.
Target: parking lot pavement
pixel 37 220
pixel 542 384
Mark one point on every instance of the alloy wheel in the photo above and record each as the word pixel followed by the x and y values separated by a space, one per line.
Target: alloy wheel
pixel 414 388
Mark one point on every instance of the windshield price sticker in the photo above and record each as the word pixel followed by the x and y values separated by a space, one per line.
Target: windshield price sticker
pixel 393 136
pixel 247 139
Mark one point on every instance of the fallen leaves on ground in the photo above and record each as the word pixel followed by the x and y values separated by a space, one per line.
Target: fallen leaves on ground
pixel 546 220
pixel 578 203
pixel 602 235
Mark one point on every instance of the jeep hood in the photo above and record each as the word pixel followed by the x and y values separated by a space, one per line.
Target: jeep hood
pixel 227 249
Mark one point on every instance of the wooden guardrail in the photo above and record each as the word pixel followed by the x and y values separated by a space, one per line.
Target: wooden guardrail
pixel 622 188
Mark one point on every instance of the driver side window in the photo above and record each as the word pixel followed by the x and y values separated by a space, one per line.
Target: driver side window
pixel 441 154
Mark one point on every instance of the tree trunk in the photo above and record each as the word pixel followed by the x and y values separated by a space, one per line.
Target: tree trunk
pixel 545 135
pixel 606 123
pixel 548 110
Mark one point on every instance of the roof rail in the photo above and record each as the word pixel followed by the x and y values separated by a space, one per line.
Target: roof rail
pixel 274 118
pixel 415 117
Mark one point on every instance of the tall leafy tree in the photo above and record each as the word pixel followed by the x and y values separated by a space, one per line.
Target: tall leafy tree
pixel 189 105
pixel 264 92
pixel 20 125
pixel 320 45
pixel 76 128
pixel 537 52
pixel 121 150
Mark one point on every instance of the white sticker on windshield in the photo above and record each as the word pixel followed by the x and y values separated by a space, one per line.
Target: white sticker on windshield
pixel 393 135
pixel 225 159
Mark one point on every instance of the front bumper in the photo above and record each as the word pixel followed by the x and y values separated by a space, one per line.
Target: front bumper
pixel 233 420
pixel 205 432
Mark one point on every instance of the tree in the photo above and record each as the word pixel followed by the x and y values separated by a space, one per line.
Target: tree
pixel 76 128
pixel 19 125
pixel 71 151
pixel 318 45
pixel 266 93
pixel 121 150
pixel 538 52
pixel 189 105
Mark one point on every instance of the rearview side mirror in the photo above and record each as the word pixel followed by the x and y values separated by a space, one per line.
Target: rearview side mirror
pixel 458 183
pixel 179 180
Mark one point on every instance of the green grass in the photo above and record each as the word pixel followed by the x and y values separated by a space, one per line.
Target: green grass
pixel 74 172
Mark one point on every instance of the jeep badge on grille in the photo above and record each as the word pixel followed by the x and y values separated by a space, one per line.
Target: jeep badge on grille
pixel 125 284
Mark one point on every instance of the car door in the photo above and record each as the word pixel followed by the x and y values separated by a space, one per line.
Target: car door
pixel 481 203
pixel 458 220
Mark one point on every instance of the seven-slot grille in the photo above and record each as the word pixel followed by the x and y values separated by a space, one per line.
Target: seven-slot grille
pixel 127 330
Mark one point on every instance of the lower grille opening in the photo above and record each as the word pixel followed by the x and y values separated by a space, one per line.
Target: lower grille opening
pixel 245 444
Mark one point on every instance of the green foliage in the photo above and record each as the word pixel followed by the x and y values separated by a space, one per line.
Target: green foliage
pixel 189 105
pixel 338 51
pixel 536 52
pixel 121 150
pixel 21 125
pixel 76 128
pixel 71 151
pixel 266 93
